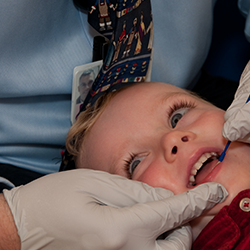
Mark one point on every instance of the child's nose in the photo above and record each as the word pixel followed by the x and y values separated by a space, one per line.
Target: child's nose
pixel 173 142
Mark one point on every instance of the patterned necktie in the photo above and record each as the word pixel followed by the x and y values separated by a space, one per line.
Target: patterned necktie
pixel 128 25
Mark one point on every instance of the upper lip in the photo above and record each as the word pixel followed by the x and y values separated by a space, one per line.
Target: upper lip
pixel 196 156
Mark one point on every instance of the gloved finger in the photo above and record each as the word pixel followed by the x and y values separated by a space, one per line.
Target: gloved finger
pixel 179 239
pixel 244 86
pixel 237 125
pixel 245 139
pixel 237 121
pixel 154 218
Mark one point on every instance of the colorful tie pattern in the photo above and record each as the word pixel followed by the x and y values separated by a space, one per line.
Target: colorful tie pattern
pixel 128 24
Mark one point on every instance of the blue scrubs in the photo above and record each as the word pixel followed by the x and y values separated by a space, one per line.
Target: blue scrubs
pixel 40 44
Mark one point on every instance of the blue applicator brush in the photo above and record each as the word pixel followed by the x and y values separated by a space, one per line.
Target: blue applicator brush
pixel 221 158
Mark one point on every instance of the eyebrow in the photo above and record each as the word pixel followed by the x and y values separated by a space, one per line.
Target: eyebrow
pixel 168 95
pixel 188 93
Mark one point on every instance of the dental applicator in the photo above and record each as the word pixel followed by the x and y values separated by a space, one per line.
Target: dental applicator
pixel 221 158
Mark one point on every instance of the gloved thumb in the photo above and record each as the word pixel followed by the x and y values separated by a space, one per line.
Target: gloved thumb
pixel 176 210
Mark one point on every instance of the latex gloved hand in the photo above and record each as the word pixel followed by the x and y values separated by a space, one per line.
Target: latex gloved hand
pixel 87 209
pixel 237 116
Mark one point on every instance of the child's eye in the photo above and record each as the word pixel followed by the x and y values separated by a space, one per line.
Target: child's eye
pixel 178 110
pixel 132 163
pixel 177 116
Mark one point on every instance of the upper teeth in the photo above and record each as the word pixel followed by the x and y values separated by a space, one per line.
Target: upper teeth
pixel 198 165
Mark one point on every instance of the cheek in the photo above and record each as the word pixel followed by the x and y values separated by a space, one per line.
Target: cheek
pixel 213 123
pixel 94 155
pixel 160 176
pixel 205 123
pixel 213 117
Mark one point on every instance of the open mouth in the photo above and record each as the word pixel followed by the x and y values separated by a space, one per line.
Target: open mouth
pixel 202 168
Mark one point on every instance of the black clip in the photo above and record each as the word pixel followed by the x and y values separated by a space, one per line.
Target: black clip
pixel 100 48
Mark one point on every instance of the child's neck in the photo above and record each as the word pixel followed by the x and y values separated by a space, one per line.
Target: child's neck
pixel 199 224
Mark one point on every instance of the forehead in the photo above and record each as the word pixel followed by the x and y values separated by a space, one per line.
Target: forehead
pixel 143 99
pixel 150 90
pixel 145 94
pixel 136 102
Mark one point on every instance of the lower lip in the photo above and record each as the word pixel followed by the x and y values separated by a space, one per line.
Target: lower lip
pixel 210 173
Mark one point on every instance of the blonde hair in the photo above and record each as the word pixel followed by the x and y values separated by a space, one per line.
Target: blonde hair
pixel 85 122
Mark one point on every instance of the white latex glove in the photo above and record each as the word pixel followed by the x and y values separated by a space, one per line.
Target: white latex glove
pixel 87 209
pixel 237 116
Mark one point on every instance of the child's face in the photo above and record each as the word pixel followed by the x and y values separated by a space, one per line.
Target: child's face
pixel 160 132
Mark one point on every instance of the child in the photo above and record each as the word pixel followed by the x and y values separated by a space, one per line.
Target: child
pixel 166 137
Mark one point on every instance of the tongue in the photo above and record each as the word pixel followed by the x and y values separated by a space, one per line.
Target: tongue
pixel 205 171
